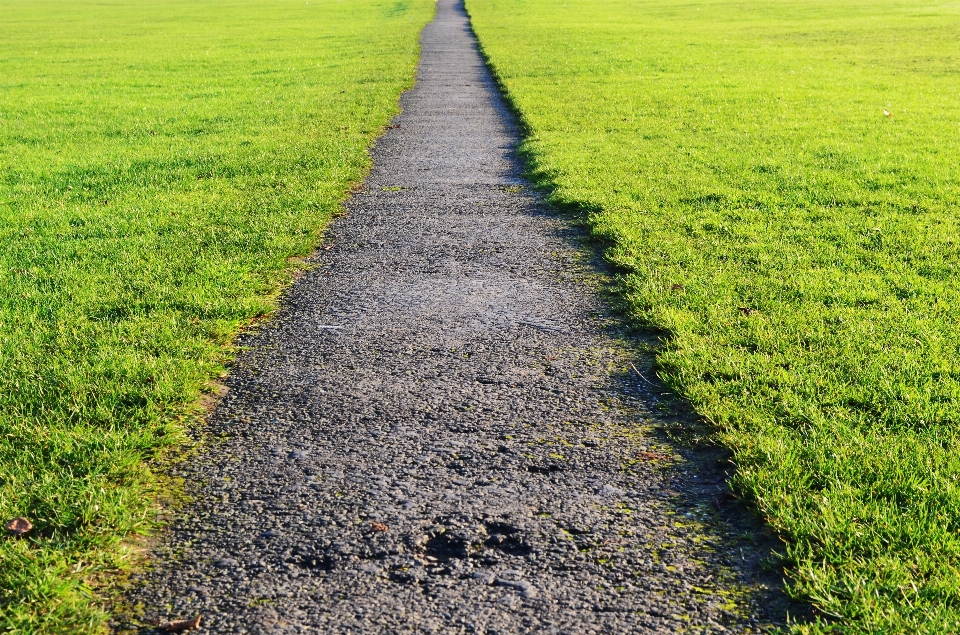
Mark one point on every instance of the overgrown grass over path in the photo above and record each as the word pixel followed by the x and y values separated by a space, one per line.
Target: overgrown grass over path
pixel 781 182
pixel 159 165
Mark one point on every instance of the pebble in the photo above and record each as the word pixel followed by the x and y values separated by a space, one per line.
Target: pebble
pixel 483 577
pixel 526 589
pixel 610 490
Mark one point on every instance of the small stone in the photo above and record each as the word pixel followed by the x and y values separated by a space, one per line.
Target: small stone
pixel 226 563
pixel 271 533
pixel 526 589
pixel 510 600
pixel 483 577
pixel 610 490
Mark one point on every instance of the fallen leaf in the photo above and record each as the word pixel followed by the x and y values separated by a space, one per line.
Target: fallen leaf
pixel 676 287
pixel 653 456
pixel 19 526
pixel 180 625
pixel 379 527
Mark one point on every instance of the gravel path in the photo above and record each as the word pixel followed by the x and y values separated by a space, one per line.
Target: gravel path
pixel 441 431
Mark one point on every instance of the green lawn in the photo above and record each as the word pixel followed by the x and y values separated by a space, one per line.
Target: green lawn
pixel 779 181
pixel 159 165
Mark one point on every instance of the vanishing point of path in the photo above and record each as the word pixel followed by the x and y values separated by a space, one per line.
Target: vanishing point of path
pixel 441 431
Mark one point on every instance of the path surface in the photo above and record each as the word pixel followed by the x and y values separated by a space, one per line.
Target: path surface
pixel 441 432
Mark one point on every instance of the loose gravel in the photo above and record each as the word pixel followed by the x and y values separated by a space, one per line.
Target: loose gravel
pixel 441 430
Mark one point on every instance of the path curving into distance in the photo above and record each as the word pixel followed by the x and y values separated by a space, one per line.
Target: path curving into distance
pixel 441 432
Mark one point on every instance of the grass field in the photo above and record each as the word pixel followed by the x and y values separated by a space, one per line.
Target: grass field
pixel 159 165
pixel 780 184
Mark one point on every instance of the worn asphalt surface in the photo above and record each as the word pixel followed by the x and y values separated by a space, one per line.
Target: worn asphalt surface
pixel 441 430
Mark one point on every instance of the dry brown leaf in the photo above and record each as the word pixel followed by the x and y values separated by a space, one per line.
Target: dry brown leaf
pixel 180 625
pixel 677 287
pixel 18 526
pixel 653 456
pixel 379 527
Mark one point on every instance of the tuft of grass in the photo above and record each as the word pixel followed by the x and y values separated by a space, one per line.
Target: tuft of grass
pixel 779 183
pixel 160 163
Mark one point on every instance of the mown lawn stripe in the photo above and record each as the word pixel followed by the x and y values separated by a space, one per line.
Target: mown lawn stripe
pixel 779 182
pixel 159 166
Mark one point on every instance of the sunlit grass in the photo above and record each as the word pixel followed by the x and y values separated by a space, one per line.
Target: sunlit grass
pixel 159 165
pixel 780 183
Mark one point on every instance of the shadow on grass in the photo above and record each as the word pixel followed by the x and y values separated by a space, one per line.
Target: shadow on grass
pixel 749 553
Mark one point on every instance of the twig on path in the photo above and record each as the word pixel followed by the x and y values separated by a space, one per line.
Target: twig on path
pixel 641 375
pixel 542 327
